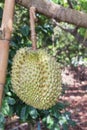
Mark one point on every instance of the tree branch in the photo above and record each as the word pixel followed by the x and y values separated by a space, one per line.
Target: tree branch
pixel 73 32
pixel 70 4
pixel 57 12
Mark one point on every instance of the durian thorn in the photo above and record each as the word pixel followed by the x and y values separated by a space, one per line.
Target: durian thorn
pixel 32 27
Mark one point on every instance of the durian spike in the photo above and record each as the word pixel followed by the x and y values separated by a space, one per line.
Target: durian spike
pixel 32 27
pixel 6 29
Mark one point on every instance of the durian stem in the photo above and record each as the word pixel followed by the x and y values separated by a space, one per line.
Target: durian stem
pixel 32 27
pixel 5 35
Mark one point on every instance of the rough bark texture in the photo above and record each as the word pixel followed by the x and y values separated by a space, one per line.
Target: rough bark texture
pixel 57 12
pixel 32 27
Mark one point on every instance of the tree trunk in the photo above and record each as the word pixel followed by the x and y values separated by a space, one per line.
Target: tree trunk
pixel 6 29
pixel 57 12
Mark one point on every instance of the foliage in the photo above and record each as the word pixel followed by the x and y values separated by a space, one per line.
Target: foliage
pixel 60 44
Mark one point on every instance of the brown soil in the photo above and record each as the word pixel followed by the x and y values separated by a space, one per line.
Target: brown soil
pixel 75 82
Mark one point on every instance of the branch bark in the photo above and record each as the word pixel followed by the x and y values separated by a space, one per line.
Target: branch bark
pixel 56 11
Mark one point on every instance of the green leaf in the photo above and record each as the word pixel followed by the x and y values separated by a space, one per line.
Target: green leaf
pixel 2 119
pixel 24 113
pixel 60 106
pixel 55 112
pixel 25 30
pixel 65 127
pixel 33 113
pixel 11 101
pixel 72 123
pixel 9 94
pixel 50 120
pixel 5 107
pixel 54 127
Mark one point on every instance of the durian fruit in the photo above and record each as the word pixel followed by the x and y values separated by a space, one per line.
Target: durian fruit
pixel 36 78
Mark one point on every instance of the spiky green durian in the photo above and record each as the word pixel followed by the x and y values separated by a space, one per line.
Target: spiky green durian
pixel 36 78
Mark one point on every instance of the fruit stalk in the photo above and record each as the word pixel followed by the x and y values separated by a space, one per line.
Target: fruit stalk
pixel 32 27
pixel 5 36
